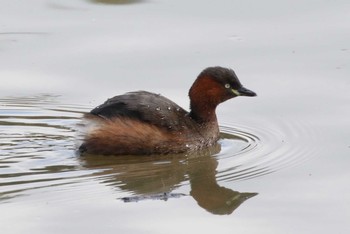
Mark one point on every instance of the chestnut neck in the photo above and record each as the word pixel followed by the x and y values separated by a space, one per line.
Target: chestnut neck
pixel 202 113
pixel 205 95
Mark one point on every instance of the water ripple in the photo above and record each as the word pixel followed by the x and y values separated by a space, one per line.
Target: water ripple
pixel 38 142
pixel 266 148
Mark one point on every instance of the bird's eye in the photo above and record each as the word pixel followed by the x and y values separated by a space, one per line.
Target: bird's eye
pixel 227 86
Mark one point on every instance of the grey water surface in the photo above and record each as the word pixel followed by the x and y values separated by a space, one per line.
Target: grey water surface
pixel 282 164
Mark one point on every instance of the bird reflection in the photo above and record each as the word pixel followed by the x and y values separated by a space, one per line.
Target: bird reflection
pixel 156 177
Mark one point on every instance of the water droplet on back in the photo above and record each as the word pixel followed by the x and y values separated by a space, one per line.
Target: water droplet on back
pixel 158 108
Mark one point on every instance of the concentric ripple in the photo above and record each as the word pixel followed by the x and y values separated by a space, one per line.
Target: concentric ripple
pixel 257 150
pixel 38 150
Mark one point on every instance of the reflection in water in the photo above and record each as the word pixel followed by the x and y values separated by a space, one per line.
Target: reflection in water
pixel 208 194
pixel 117 1
pixel 38 140
pixel 155 177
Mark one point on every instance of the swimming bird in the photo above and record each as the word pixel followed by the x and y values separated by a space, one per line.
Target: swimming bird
pixel 141 122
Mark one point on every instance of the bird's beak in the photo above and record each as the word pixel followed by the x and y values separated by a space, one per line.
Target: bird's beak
pixel 244 92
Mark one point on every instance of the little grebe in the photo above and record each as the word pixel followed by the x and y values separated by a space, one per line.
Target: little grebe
pixel 146 123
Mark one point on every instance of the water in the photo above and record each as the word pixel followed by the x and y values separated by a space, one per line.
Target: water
pixel 281 165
